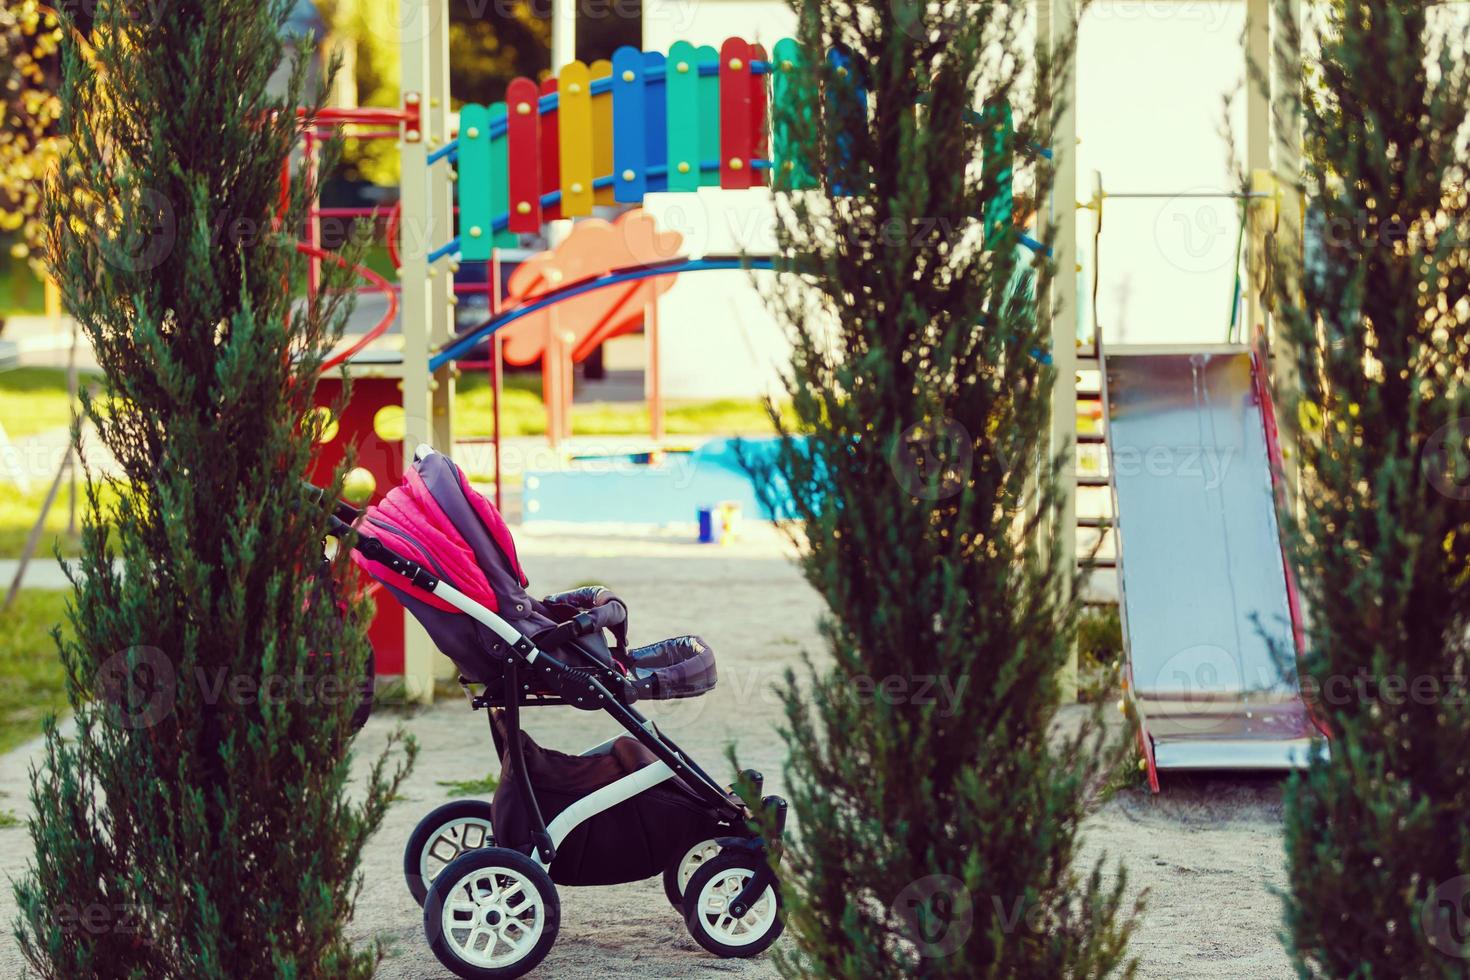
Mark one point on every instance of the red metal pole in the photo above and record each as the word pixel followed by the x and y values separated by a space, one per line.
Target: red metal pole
pixel 313 217
pixel 654 385
pixel 496 373
pixel 551 378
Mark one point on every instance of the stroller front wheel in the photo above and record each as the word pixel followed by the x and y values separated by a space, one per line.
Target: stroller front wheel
pixel 492 914
pixel 678 873
pixel 706 908
pixel 455 828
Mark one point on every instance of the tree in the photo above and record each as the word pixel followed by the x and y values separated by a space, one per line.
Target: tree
pixel 1378 844
pixel 198 822
pixel 937 807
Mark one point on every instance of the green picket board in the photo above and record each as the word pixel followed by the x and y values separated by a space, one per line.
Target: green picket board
pixel 791 171
pixel 709 116
pixel 500 175
pixel 681 95
pixel 476 209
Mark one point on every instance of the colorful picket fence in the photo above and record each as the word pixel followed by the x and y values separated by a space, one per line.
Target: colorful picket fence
pixel 614 131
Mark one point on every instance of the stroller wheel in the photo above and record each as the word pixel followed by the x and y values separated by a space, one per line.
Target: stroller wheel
pixel 492 913
pixel 456 828
pixel 706 908
pixel 678 873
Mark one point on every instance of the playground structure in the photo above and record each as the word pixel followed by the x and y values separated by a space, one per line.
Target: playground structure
pixel 608 133
pixel 643 122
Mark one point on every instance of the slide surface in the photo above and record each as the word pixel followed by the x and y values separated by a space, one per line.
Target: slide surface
pixel 1208 617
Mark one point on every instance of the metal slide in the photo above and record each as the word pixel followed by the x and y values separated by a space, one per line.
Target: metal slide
pixel 1210 618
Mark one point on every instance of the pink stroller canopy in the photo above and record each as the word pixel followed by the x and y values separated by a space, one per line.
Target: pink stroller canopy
pixel 436 519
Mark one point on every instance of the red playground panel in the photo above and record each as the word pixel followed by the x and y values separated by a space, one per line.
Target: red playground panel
pixel 358 425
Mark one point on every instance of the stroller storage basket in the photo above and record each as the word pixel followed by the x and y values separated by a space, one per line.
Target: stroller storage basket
pixel 629 842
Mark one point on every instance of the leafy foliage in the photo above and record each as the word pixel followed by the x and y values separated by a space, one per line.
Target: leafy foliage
pixel 1377 840
pixel 938 807
pixel 29 38
pixel 198 824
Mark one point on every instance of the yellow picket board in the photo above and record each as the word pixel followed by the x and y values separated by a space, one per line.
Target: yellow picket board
pixel 574 133
pixel 602 133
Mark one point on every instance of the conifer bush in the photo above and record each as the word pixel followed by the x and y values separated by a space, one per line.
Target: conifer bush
pixel 1378 828
pixel 199 820
pixel 937 807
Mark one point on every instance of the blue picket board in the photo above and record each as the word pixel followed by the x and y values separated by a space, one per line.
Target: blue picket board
pixel 846 87
pixel 630 124
pixel 655 95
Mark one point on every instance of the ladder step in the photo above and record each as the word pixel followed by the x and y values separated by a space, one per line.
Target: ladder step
pixel 1105 523
pixel 1093 481
pixel 1098 563
pixel 1091 439
pixel 1089 396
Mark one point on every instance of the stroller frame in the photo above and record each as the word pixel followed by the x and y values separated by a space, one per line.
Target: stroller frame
pixel 591 686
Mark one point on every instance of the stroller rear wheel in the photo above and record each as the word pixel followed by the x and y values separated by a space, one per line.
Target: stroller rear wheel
pixel 456 828
pixel 706 908
pixel 679 871
pixel 492 913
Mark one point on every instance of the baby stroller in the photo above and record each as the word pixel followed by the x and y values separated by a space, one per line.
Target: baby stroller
pixel 486 874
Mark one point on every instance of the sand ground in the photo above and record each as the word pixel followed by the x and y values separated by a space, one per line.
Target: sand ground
pixel 1208 850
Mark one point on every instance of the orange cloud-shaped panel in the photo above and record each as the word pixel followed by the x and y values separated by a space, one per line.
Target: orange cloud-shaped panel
pixel 593 248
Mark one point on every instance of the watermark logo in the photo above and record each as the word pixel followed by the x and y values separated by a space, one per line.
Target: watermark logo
pixel 139 685
pixel 144 242
pixel 1447 459
pixel 1445 917
pixel 936 914
pixel 1195 234
pixel 932 459
pixel 1191 683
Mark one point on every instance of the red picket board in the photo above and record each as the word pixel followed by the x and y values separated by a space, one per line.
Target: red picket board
pixel 521 125
pixel 550 154
pixel 737 139
pixel 759 106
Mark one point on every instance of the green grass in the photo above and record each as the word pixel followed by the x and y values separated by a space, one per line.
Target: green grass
pixel 523 414
pixel 20 291
pixel 34 682
pixel 1099 652
pixel 33 400
pixel 18 512
pixel 470 787
pixel 376 259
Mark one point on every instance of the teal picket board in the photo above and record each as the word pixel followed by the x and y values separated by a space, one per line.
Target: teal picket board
pixel 500 175
pixel 709 117
pixel 1000 155
pixel 681 84
pixel 476 208
pixel 791 170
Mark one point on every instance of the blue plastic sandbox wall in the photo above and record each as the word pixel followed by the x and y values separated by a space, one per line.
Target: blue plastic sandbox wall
pixel 620 489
